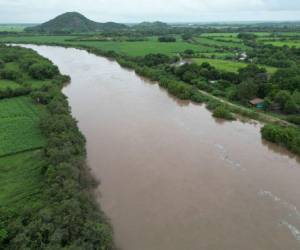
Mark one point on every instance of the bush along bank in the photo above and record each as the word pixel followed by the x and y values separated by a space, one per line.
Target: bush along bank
pixel 68 217
pixel 288 137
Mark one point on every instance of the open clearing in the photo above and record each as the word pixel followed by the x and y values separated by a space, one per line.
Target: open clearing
pixel 230 66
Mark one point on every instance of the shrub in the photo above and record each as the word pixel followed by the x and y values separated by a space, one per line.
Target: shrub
pixel 43 70
pixel 294 119
pixel 223 112
pixel 11 74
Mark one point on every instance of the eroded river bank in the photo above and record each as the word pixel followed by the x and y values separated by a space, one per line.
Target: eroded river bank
pixel 172 177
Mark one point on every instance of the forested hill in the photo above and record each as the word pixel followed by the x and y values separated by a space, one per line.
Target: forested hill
pixel 73 22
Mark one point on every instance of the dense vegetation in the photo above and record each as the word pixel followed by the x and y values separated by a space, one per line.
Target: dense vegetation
pixel 288 137
pixel 45 201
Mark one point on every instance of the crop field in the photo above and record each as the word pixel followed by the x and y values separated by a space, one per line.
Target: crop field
pixel 20 180
pixel 19 129
pixel 216 41
pixel 290 39
pixel 147 47
pixel 230 66
pixel 289 43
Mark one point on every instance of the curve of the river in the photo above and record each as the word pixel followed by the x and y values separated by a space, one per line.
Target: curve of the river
pixel 172 177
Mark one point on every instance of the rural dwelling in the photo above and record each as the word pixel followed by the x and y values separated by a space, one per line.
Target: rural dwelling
pixel 258 103
pixel 243 56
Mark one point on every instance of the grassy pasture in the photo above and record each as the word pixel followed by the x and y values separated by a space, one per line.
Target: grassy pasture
pixel 218 55
pixel 21 180
pixel 225 65
pixel 19 129
pixel 230 66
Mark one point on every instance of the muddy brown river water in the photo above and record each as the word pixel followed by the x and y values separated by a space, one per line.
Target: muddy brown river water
pixel 172 177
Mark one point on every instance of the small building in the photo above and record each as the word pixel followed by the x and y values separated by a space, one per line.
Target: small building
pixel 258 103
pixel 243 56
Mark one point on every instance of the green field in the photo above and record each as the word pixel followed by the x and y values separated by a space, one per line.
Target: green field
pixel 291 43
pixel 219 34
pixel 8 84
pixel 214 41
pixel 218 55
pixel 140 48
pixel 230 66
pixel 19 129
pixel 20 180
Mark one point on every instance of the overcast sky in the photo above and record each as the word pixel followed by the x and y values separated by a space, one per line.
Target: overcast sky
pixel 36 11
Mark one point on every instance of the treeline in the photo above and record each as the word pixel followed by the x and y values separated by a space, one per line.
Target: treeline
pixel 65 216
pixel 69 218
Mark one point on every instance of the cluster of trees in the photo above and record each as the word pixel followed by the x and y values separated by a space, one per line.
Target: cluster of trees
pixel 17 64
pixel 281 57
pixel 167 39
pixel 250 82
pixel 152 60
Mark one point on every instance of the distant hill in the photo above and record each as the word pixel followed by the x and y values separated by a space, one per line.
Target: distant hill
pixel 73 22
pixel 151 25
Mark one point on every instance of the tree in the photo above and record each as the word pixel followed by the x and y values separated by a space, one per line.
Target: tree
pixel 282 97
pixel 254 72
pixel 187 36
pixel 155 59
pixel 291 107
pixel 167 39
pixel 247 90
pixel 189 52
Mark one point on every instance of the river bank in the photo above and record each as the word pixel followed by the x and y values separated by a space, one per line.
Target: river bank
pixel 173 177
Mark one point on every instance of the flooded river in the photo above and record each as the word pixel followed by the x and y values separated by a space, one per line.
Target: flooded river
pixel 172 177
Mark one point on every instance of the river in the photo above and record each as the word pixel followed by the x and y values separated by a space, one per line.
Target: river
pixel 172 177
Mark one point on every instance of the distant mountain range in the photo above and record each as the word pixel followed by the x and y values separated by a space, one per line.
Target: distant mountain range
pixel 74 22
pixel 151 25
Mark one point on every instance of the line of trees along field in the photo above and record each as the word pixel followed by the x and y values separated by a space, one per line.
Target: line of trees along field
pixel 61 213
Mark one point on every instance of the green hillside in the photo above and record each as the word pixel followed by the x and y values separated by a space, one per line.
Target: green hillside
pixel 73 22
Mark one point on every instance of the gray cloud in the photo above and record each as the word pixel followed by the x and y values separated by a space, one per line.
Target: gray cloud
pixel 138 10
